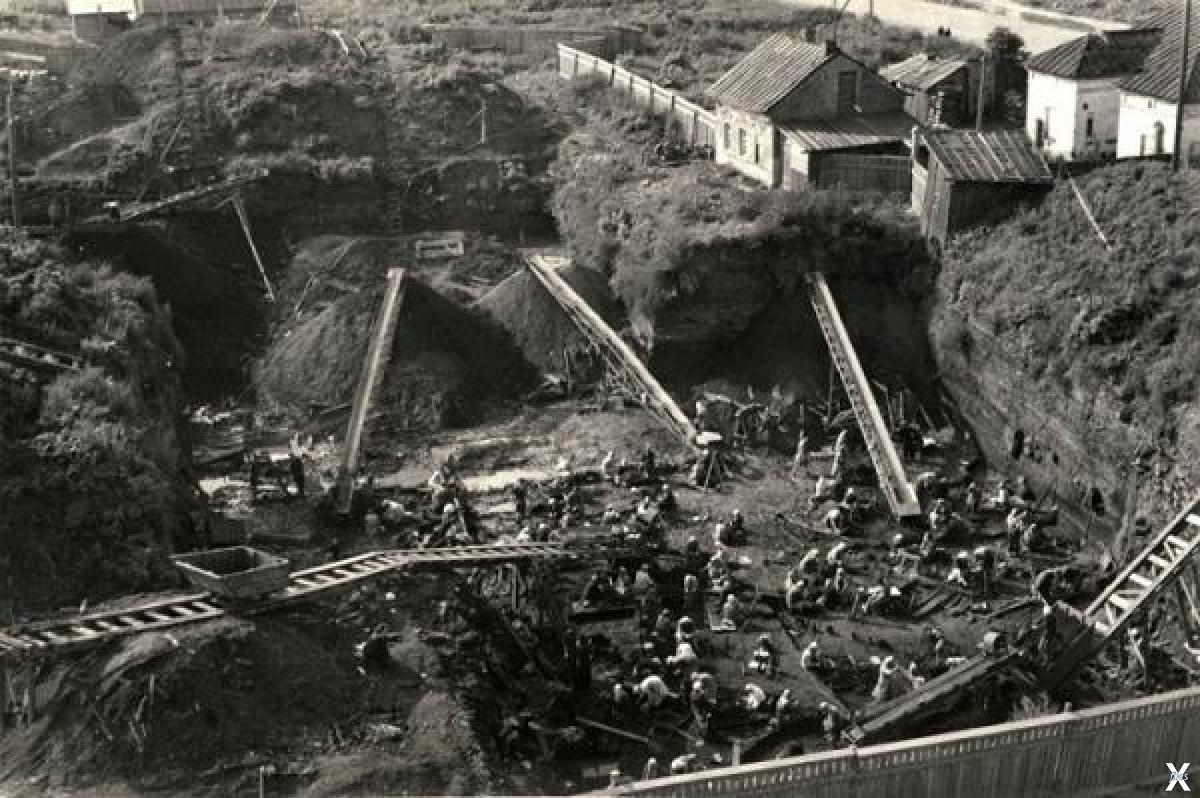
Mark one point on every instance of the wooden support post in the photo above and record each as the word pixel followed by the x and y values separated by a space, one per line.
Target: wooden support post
pixel 240 208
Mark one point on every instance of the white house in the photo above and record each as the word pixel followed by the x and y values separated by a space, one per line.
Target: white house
pixel 1150 99
pixel 789 102
pixel 1073 97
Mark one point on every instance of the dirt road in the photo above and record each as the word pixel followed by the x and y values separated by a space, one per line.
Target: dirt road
pixel 1040 29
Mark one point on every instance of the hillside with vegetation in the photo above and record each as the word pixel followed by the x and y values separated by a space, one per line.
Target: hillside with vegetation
pixel 92 476
pixel 1115 331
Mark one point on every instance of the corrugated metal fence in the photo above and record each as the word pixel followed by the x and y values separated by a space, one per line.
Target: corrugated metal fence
pixel 889 173
pixel 697 125
pixel 1119 745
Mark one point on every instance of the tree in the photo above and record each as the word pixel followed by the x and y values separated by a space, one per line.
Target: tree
pixel 1005 45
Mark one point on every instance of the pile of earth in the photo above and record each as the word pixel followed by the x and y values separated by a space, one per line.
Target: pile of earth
pixel 450 364
pixel 538 325
pixel 92 477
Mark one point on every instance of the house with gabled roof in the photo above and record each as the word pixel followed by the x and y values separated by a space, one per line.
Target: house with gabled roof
pixel 1074 97
pixel 790 101
pixel 1149 98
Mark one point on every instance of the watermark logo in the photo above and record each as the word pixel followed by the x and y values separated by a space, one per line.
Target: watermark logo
pixel 1178 777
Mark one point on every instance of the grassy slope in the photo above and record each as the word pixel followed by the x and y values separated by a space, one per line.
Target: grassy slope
pixel 1120 325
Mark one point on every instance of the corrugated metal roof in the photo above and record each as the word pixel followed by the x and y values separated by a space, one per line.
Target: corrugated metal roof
pixel 921 71
pixel 769 73
pixel 1098 55
pixel 1160 73
pixel 850 130
pixel 210 6
pixel 1000 156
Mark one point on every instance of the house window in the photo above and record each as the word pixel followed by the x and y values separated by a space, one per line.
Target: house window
pixel 847 92
pixel 1090 127
pixel 1040 136
pixel 728 137
pixel 741 142
pixel 1194 155
pixel 1159 136
pixel 1142 144
pixel 756 155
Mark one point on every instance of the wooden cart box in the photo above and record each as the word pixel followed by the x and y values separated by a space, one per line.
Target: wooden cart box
pixel 239 573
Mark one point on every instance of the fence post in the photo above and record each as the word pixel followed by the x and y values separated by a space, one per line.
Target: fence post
pixel 651 98
pixel 612 75
pixel 695 126
pixel 575 71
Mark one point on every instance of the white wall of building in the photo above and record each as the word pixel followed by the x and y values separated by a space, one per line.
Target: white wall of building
pixel 1050 109
pixel 1141 119
pixel 1096 126
pixel 76 7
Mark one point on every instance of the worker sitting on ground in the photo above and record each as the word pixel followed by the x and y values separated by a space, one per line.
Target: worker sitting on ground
pixel 684 764
pixel 647 512
pixel 685 630
pixel 958 574
pixel 985 566
pixel 684 661
pixel 643 582
pixel 703 700
pixel 939 518
pixel 841 583
pixel 719 577
pixel 764 658
pixel 598 590
pixel 371 524
pixel 623 584
pixel 810 658
pixel 834 557
pixel 731 613
pixel 651 692
pixel 623 699
pixel 795 586
pixel 810 566
pixel 787 709
pixel 1031 535
pixel 896 548
pixel 836 520
pixel 646 660
pixel 443 484
pixel 752 698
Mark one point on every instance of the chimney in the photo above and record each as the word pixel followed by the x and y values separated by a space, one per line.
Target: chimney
pixel 831 47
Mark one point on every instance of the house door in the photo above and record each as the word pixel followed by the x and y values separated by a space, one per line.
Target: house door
pixel 1159 135
pixel 847 92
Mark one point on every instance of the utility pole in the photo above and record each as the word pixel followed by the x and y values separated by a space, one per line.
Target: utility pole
pixel 983 64
pixel 12 161
pixel 483 121
pixel 1176 156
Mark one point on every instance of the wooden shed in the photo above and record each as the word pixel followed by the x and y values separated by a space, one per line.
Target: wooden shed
pixel 966 178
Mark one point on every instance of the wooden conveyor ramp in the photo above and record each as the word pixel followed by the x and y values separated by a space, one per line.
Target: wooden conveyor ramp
pixel 37 358
pixel 1168 560
pixel 131 212
pixel 52 638
pixel 620 359
pixel 889 720
pixel 378 352
pixel 901 497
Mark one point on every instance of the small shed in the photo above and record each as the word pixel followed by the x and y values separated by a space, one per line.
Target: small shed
pixel 937 90
pixel 966 178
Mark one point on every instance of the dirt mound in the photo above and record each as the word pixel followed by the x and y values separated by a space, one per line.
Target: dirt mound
pixel 155 707
pixel 144 61
pixel 253 46
pixel 537 323
pixel 73 116
pixel 448 364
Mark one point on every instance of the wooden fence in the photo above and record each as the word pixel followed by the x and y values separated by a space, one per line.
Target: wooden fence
pixel 1116 746
pixel 696 125
pixel 532 40
pixel 888 173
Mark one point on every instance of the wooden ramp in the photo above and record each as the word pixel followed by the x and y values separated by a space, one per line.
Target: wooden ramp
pixel 1167 561
pixel 620 359
pixel 378 353
pixel 51 638
pixel 901 497
pixel 37 358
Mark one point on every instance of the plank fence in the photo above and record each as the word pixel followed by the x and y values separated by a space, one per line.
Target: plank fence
pixel 888 173
pixel 696 125
pixel 1093 751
